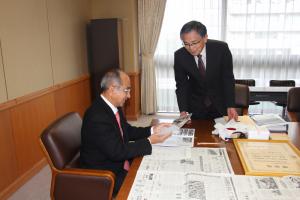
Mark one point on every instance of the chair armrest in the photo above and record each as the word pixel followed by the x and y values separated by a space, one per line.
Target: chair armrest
pixel 83 184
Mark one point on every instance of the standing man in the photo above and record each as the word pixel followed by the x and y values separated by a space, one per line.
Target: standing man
pixel 108 141
pixel 204 75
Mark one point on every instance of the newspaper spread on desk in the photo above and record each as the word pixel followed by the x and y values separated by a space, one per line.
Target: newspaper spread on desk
pixel 210 160
pixel 150 185
pixel 204 173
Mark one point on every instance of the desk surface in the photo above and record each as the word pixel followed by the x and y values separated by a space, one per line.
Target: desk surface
pixel 204 138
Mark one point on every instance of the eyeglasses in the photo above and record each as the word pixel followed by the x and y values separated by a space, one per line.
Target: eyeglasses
pixel 189 45
pixel 125 90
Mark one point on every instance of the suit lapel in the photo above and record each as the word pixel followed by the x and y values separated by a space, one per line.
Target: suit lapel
pixel 192 66
pixel 123 121
pixel 209 59
pixel 111 114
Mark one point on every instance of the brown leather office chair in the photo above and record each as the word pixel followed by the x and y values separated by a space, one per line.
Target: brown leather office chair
pixel 282 83
pixel 248 82
pixel 61 144
pixel 242 99
pixel 293 104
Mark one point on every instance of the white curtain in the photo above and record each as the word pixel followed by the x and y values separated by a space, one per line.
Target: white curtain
pixel 263 35
pixel 150 16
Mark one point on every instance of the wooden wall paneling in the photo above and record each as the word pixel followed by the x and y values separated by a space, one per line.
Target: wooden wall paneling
pixel 133 105
pixel 8 161
pixel 28 121
pixel 21 123
pixel 76 97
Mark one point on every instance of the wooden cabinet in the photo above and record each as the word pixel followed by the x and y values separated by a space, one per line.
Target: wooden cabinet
pixel 104 49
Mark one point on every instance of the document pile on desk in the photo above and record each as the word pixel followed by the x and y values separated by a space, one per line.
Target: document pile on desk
pixel 273 122
pixel 254 127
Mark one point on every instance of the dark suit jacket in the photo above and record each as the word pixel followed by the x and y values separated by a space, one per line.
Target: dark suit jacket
pixel 102 144
pixel 218 85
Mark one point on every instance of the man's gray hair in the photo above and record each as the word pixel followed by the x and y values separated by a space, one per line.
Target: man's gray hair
pixel 194 26
pixel 110 77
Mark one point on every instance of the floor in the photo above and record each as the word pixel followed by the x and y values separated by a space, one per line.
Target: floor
pixel 38 187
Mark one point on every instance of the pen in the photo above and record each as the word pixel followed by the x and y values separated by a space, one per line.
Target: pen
pixel 199 143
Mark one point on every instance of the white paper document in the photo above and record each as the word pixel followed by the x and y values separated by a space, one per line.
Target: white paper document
pixel 210 160
pixel 183 137
pixel 203 186
pixel 181 186
pixel 267 188
pixel 268 120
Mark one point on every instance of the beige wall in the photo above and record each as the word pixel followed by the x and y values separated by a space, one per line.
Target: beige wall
pixel 42 44
pixel 25 46
pixel 3 96
pixel 67 25
pixel 126 10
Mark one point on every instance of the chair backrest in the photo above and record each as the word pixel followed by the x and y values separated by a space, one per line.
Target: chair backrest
pixel 241 98
pixel 62 140
pixel 293 102
pixel 282 83
pixel 249 82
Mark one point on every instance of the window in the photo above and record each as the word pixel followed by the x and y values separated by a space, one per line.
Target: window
pixel 263 36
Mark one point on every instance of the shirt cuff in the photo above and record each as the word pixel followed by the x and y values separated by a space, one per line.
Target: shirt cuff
pixel 149 140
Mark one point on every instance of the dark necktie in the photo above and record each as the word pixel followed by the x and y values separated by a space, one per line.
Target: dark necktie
pixel 207 101
pixel 201 66
pixel 126 165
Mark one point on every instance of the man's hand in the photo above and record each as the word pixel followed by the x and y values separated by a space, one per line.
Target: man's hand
pixel 183 113
pixel 157 128
pixel 232 114
pixel 157 137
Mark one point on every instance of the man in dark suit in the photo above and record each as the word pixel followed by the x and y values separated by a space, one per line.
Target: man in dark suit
pixel 204 75
pixel 108 141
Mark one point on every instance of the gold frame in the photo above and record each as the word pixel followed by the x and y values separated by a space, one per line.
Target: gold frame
pixel 268 157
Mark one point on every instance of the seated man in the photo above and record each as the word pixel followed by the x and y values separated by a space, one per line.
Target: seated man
pixel 108 141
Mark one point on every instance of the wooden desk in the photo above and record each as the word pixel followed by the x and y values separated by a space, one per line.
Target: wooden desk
pixel 204 138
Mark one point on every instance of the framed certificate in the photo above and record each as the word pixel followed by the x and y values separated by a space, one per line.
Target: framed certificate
pixel 268 158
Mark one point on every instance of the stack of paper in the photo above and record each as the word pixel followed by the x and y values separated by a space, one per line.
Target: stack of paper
pixel 273 122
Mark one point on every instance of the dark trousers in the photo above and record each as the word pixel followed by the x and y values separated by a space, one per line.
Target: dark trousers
pixel 119 181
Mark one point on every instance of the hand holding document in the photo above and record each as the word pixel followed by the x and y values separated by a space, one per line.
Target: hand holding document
pixel 233 129
pixel 179 137
pixel 230 129
pixel 182 120
pixel 157 137
pixel 173 129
